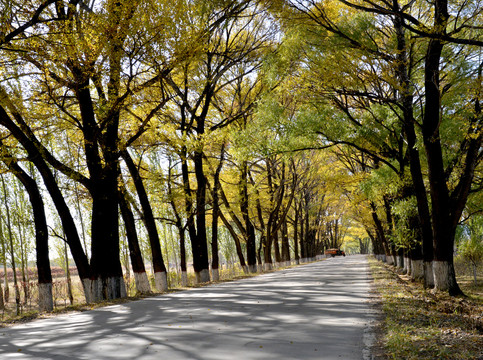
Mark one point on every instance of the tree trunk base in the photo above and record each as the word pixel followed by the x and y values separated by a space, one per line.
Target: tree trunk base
pixel 215 274
pixel 161 281
pixel 92 290
pixel 390 260
pixel 407 266
pixel 184 279
pixel 252 268
pixel 115 288
pixel 428 275
pixel 444 278
pixel 267 267
pixel 203 276
pixel 142 283
pixel 46 302
pixel 417 270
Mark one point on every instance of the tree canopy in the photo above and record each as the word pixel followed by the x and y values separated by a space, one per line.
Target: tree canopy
pixel 276 129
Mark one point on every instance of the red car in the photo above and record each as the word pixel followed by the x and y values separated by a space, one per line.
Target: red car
pixel 334 252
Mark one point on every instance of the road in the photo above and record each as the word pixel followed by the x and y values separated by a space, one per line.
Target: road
pixel 313 311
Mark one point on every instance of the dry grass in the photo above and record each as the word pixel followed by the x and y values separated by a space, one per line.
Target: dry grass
pixel 29 309
pixel 421 324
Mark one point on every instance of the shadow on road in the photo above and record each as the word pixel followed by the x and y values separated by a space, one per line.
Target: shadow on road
pixel 314 311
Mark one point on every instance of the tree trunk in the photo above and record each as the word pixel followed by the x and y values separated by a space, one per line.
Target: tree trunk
pixel 285 245
pixel 67 273
pixel 160 275
pixel 249 228
pixel 68 224
pixel 417 264
pixel 199 244
pixel 413 152
pixel 235 237
pixel 6 293
pixel 12 253
pixel 181 229
pixel 276 248
pixel 215 262
pixel 303 251
pixel 41 235
pixel 443 233
pixel 135 254
pixel 214 233
pixel 182 253
pixel 295 236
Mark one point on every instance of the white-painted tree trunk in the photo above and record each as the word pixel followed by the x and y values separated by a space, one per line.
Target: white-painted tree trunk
pixel 46 302
pixel 92 290
pixel 259 268
pixel 142 283
pixel 417 269
pixel 406 266
pixel 203 276
pixel 390 260
pixel 267 267
pixel 297 262
pixel 441 275
pixel 428 274
pixel 114 284
pixel 161 281
pixel 252 268
pixel 245 269
pixel 184 279
pixel 215 274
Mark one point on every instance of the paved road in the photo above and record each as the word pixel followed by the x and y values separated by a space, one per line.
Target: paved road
pixel 314 311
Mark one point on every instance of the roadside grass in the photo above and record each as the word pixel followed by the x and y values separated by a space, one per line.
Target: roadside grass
pixel 423 324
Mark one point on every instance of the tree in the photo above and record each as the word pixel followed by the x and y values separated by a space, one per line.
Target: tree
pixel 232 44
pixel 383 57
pixel 41 231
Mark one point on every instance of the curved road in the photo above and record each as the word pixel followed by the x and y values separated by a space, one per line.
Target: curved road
pixel 313 311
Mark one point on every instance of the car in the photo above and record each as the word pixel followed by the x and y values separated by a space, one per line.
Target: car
pixel 334 252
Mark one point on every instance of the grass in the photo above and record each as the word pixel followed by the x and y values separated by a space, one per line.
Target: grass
pixel 422 324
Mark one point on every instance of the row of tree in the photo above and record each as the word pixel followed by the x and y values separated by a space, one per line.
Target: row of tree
pixel 221 110
pixel 117 108
pixel 405 97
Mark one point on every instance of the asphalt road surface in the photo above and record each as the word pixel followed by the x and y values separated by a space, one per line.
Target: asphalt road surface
pixel 314 311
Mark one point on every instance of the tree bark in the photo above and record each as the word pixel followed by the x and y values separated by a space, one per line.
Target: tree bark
pixel 160 274
pixel 443 230
pixel 249 228
pixel 41 234
pixel 137 263
pixel 285 245
pixel 68 224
